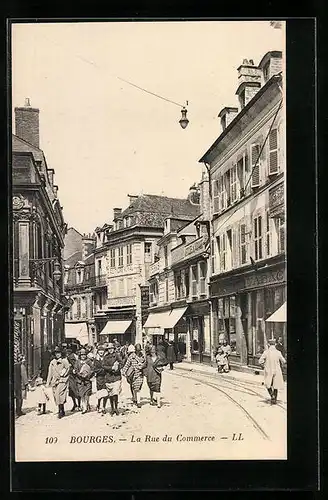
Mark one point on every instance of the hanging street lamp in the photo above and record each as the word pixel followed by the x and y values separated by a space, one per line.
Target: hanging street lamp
pixel 184 120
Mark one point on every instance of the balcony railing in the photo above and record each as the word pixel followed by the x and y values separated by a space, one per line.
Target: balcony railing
pixel 185 252
pixel 98 281
pixel 154 268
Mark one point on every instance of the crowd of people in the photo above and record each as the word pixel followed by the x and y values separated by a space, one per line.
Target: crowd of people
pixel 77 371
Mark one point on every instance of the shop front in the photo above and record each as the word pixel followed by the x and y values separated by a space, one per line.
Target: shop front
pixel 242 303
pixel 199 331
pixel 168 325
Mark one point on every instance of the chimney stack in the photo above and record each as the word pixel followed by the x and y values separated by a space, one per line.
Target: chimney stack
pixel 133 197
pixel 88 245
pixel 226 116
pixel 27 123
pixel 249 81
pixel 271 64
pixel 116 213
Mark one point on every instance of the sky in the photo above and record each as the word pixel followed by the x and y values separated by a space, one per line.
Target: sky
pixel 106 139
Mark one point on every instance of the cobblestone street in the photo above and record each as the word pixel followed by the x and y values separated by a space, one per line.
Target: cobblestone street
pixel 203 416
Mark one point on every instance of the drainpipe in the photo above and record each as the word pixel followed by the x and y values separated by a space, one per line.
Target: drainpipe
pixel 209 268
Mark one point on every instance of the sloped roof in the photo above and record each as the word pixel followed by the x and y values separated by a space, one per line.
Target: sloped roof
pixel 74 258
pixel 151 203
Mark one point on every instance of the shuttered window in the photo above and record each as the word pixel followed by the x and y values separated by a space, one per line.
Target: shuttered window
pixel 242 245
pixel 202 278
pixel 120 257
pixel 258 237
pixel 112 258
pixel 233 184
pixel 129 254
pixel 223 251
pixel 268 234
pixel 255 151
pixel 281 235
pixel 216 205
pixel 273 152
pixel 235 253
pixel 222 194
pixel 194 281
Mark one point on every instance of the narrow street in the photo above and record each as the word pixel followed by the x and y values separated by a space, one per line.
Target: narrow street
pixel 203 416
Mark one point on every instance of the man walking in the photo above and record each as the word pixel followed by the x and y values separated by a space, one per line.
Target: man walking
pixel 273 379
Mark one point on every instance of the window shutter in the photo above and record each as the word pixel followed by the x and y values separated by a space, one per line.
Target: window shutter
pixel 221 252
pixel 273 152
pixel 255 150
pixel 235 262
pixel 216 207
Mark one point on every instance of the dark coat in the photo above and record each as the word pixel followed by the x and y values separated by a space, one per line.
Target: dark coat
pixel 100 373
pixel 108 361
pixel 154 377
pixel 45 362
pixel 84 386
pixel 160 348
pixel 171 354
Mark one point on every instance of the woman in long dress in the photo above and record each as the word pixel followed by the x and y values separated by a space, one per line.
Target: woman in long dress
pixel 58 374
pixel 154 367
pixel 83 370
pixel 72 383
pixel 101 394
pixel 112 364
pixel 133 371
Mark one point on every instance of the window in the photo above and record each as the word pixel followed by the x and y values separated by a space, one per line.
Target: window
pixel 129 254
pixel 127 221
pixel 148 255
pixel 78 303
pixel 121 292
pixel 227 321
pixel 178 285
pixel 165 257
pixel 83 307
pixel 226 181
pixel 229 249
pixel 222 246
pixel 216 201
pixel 195 335
pixel 153 292
pixel 194 281
pixel 233 184
pixel 120 256
pixel 280 229
pixel 243 247
pixel 187 283
pixel 99 267
pixel 166 290
pixel 222 194
pixel 268 234
pixel 273 152
pixel 258 237
pixel 66 276
pixel 202 278
pixel 255 164
pixel 78 276
pixel 212 256
pixel 112 258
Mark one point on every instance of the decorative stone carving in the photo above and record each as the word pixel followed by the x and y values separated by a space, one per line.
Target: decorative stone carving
pixel 18 202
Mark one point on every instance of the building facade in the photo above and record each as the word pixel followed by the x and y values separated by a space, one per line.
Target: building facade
pixel 247 166
pixel 79 279
pixel 38 231
pixel 123 256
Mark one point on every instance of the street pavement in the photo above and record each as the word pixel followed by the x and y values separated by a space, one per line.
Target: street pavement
pixel 203 416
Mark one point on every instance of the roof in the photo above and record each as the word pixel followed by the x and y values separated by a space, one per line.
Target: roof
pixel 273 80
pixel 73 258
pixel 151 203
pixel 268 55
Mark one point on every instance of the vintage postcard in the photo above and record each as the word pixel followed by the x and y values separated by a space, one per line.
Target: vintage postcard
pixel 149 240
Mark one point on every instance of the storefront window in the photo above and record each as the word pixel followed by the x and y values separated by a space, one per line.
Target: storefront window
pixel 194 335
pixel 260 323
pixel 227 321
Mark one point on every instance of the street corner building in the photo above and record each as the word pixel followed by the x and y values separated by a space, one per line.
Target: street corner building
pixel 38 230
pixel 247 166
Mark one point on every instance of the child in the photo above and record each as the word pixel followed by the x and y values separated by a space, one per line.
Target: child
pixel 42 396
pixel 222 361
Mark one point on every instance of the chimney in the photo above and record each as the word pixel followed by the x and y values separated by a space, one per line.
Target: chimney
pixel 226 116
pixel 88 245
pixel 116 213
pixel 133 197
pixel 249 81
pixel 27 123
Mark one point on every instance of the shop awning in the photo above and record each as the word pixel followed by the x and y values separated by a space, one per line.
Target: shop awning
pixel 78 331
pixel 115 327
pixel 164 319
pixel 279 316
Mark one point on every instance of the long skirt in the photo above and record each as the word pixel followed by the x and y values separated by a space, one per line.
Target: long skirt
pixel 60 392
pixel 154 384
pixel 84 388
pixel 114 388
pixel 72 387
pixel 136 381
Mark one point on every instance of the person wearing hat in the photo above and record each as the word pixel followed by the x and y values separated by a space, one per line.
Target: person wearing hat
pixel 72 383
pixel 83 370
pixel 154 367
pixel 133 371
pixel 101 394
pixel 272 359
pixel 58 374
pixel 112 364
pixel 20 384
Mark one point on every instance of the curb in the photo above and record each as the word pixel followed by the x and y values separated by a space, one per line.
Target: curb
pixel 195 370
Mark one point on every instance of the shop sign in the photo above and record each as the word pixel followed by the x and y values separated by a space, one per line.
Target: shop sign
pixel 225 287
pixel 276 200
pixel 263 279
pixel 194 248
pixel 144 303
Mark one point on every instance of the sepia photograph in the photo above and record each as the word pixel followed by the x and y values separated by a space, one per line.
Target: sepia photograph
pixel 148 273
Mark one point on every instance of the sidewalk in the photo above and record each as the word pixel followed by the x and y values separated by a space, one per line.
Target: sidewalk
pixel 232 375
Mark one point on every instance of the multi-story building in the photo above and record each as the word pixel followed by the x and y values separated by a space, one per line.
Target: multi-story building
pixel 79 278
pixel 247 175
pixel 123 255
pixel 179 306
pixel 38 230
